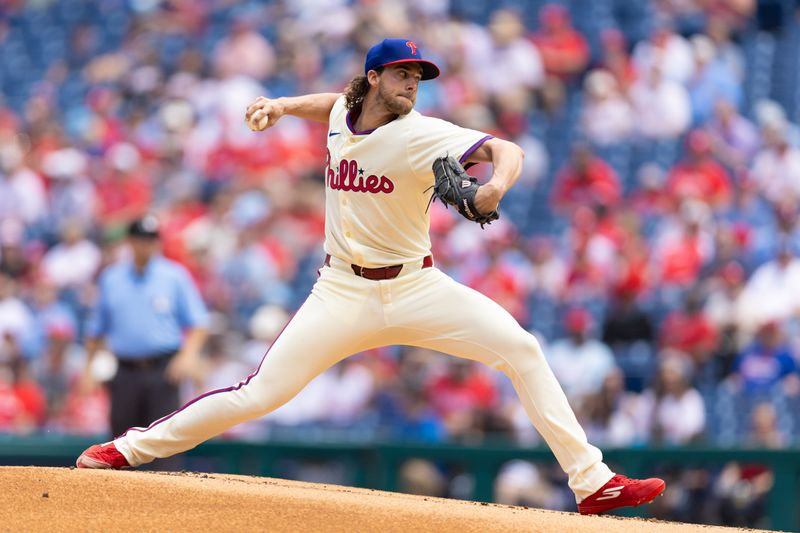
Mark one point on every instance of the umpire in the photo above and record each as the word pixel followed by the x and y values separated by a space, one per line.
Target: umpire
pixel 151 316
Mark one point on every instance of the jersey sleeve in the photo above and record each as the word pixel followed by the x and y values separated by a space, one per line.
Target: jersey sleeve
pixel 432 138
pixel 338 112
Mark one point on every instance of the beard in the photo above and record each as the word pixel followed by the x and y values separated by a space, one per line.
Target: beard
pixel 393 103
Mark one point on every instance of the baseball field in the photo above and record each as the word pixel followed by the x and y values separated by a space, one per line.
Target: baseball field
pixel 63 499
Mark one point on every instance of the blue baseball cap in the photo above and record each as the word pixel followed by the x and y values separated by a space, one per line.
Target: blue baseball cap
pixel 393 51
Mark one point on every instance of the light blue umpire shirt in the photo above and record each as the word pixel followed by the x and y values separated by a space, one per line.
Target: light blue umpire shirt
pixel 144 315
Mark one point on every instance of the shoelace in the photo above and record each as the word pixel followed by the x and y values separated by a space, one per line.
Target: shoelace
pixel 622 480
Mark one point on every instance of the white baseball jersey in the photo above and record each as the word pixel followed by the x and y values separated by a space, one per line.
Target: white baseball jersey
pixel 378 185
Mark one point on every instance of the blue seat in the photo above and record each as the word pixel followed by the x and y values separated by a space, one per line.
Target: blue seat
pixel 788 410
pixel 735 407
pixel 759 54
pixel 544 316
pixel 619 156
pixel 638 364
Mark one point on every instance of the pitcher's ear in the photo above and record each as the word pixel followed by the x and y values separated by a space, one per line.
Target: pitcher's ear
pixel 372 77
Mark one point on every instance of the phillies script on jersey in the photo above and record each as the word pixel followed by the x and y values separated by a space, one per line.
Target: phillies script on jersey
pixel 350 177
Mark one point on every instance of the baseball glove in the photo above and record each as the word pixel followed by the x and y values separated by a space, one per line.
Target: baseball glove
pixel 453 186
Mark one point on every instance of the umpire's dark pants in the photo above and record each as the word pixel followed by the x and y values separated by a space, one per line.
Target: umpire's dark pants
pixel 140 395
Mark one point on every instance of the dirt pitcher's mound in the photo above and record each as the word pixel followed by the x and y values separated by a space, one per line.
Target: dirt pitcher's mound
pixel 61 499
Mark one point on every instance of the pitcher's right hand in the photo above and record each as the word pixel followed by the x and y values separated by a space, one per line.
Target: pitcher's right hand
pixel 263 113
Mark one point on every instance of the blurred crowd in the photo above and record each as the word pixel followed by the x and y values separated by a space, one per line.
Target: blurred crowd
pixel 651 243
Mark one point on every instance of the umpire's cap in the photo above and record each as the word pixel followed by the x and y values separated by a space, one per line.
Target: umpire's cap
pixel 393 51
pixel 146 227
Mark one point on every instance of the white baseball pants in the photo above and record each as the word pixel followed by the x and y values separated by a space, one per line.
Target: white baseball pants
pixel 347 314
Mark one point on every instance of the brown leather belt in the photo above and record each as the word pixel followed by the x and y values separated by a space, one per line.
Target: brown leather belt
pixel 381 273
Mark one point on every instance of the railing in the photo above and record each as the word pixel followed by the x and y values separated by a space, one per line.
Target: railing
pixel 376 464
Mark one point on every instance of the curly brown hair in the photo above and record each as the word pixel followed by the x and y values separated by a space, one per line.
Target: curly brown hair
pixel 356 91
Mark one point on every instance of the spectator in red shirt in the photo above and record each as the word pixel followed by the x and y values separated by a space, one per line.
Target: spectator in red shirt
pixel 679 256
pixel 501 280
pixel 462 396
pixel 630 272
pixel 699 175
pixel 607 250
pixel 185 209
pixel 564 50
pixel 585 279
pixel 29 392
pixel 618 226
pixel 12 415
pixel 587 180
pixel 22 403
pixel 648 200
pixel 86 410
pixel 125 193
pixel 690 331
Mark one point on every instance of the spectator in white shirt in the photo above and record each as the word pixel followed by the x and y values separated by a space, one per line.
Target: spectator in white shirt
pixel 244 52
pixel 505 58
pixel 773 291
pixel 548 271
pixel 726 306
pixel 26 194
pixel 776 169
pixel 734 138
pixel 215 231
pixel 73 261
pixel 610 415
pixel 581 363
pixel 71 193
pixel 668 51
pixel 672 411
pixel 354 389
pixel 607 116
pixel 15 319
pixel 663 109
pixel 711 80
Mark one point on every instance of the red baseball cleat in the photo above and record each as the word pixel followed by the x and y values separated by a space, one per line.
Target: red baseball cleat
pixel 621 491
pixel 102 456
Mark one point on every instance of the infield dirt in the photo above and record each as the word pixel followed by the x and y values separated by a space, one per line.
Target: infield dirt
pixel 63 499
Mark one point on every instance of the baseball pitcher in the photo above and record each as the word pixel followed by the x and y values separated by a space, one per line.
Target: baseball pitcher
pixel 378 284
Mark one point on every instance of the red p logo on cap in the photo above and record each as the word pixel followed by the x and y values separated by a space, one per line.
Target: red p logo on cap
pixel 413 47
